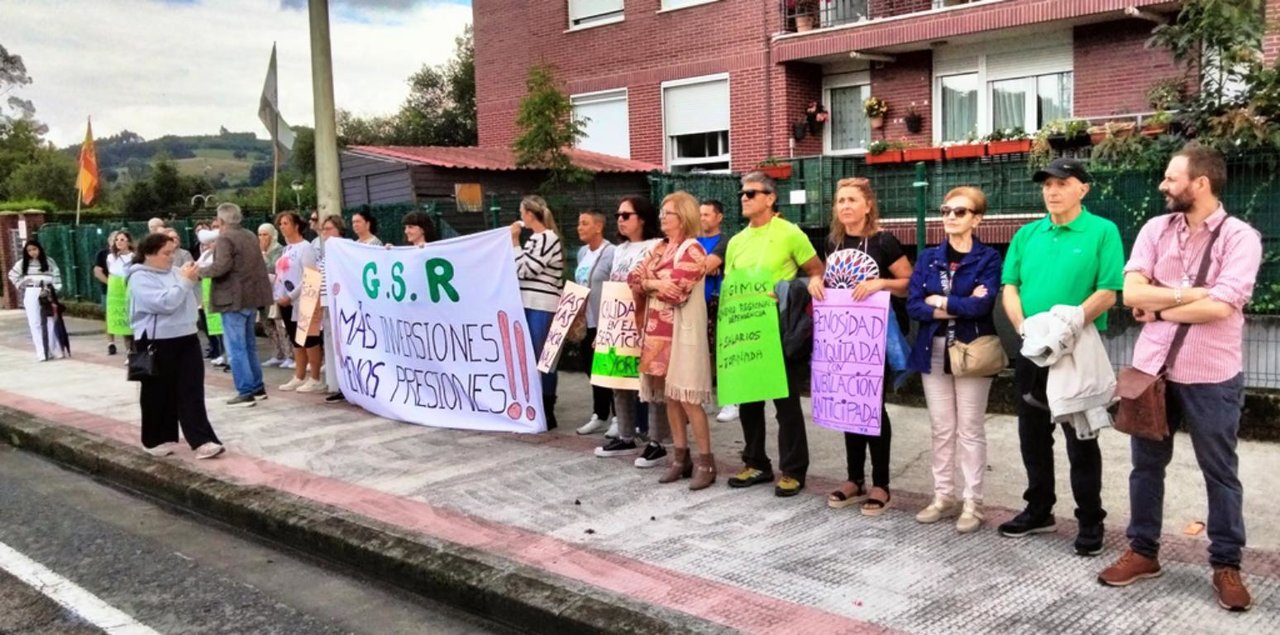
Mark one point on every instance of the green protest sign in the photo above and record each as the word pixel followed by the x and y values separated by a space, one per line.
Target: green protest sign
pixel 749 364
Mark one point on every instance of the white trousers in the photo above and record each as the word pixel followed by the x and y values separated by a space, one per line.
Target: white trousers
pixel 31 302
pixel 957 412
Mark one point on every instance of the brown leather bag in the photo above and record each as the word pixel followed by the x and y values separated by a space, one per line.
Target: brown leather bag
pixel 1142 395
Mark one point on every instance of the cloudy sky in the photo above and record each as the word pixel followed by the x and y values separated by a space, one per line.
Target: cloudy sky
pixel 189 66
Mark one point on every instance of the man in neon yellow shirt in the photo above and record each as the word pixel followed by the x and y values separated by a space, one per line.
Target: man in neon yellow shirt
pixel 773 245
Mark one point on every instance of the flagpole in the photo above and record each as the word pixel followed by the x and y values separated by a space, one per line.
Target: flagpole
pixel 79 196
pixel 275 175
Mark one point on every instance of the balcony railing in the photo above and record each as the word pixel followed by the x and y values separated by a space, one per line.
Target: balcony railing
pixel 806 15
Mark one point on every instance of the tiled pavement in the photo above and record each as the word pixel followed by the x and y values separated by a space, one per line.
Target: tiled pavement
pixel 742 558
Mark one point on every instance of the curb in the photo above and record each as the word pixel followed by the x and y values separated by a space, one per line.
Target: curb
pixel 493 587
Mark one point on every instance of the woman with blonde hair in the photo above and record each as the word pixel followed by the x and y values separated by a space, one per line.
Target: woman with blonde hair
pixel 119 259
pixel 953 296
pixel 540 268
pixel 269 242
pixel 675 364
pixel 856 237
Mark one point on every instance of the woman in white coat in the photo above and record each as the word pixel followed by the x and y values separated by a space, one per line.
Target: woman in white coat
pixel 30 276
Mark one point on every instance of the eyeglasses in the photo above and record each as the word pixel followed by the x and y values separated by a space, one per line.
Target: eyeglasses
pixel 750 194
pixel 625 215
pixel 958 212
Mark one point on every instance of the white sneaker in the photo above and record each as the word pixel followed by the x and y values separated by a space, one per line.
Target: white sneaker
pixel 593 426
pixel 312 385
pixel 970 518
pixel 288 363
pixel 209 450
pixel 941 507
pixel 294 384
pixel 272 363
pixel 220 360
pixel 164 449
pixel 727 414
pixel 612 433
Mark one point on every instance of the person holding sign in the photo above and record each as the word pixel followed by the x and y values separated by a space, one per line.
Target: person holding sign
pixel 675 365
pixel 863 258
pixel 540 267
pixel 297 256
pixel 769 250
pixel 418 229
pixel 953 297
pixel 1074 258
pixel 638 225
pixel 365 226
pixel 119 259
pixel 595 261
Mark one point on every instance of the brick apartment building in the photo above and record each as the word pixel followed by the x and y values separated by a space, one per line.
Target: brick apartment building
pixel 719 84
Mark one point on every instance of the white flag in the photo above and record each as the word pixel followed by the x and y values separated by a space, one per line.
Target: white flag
pixel 269 111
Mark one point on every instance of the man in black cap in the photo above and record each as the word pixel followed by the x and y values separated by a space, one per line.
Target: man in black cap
pixel 1070 257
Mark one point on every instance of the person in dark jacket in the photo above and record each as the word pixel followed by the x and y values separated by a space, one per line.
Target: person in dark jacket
pixel 952 294
pixel 240 287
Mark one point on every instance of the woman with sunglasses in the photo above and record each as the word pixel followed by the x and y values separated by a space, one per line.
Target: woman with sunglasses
pixel 953 296
pixel 640 232
pixel 540 268
pixel 855 225
pixel 119 259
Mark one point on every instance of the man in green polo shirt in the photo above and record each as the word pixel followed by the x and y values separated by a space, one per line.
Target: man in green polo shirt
pixel 1074 258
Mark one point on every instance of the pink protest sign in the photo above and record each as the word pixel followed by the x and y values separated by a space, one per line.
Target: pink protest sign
pixel 848 361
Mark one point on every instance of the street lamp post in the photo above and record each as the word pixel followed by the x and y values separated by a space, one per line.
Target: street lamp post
pixel 297 193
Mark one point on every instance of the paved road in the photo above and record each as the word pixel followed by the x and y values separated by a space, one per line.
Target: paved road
pixel 176 573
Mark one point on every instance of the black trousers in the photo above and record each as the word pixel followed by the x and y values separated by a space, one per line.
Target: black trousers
pixel 1035 435
pixel 855 449
pixel 176 395
pixel 601 397
pixel 793 442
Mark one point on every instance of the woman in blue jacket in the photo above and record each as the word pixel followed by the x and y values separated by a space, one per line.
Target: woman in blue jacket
pixel 952 294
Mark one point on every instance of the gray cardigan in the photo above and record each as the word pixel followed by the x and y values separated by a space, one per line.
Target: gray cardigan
pixel 162 304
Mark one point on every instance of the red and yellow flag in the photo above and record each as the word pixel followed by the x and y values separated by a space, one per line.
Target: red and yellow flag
pixel 87 181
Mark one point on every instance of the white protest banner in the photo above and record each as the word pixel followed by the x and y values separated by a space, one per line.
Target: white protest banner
pixel 848 360
pixel 616 363
pixel 309 306
pixel 572 302
pixel 436 335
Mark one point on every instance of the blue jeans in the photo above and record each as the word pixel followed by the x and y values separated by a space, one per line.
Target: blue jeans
pixel 539 327
pixel 1210 413
pixel 242 348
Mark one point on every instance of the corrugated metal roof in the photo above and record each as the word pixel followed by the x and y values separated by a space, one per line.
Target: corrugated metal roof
pixel 493 158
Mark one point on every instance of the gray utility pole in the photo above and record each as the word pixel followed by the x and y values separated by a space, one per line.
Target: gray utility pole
pixel 328 183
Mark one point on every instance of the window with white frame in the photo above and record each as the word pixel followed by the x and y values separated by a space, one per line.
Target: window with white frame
pixel 848 128
pixel 1023 82
pixel 585 13
pixel 667 5
pixel 695 122
pixel 607 127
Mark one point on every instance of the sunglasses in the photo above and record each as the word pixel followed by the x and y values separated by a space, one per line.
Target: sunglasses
pixel 750 194
pixel 958 212
pixel 625 215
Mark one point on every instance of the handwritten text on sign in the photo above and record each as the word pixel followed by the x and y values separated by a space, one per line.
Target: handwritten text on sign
pixel 616 363
pixel 435 336
pixel 309 306
pixel 848 361
pixel 572 302
pixel 749 362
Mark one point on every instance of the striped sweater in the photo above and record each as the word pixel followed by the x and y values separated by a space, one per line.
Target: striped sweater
pixel 540 268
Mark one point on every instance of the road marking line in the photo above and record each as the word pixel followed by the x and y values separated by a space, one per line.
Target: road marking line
pixel 70 595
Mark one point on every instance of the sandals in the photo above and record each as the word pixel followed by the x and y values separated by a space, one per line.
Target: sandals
pixel 875 506
pixel 839 500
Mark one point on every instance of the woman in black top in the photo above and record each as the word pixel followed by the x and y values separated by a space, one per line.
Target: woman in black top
pixel 855 224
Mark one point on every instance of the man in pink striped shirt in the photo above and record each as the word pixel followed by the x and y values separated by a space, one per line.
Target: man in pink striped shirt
pixel 1205 389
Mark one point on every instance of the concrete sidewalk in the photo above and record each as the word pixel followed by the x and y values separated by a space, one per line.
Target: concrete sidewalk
pixel 743 560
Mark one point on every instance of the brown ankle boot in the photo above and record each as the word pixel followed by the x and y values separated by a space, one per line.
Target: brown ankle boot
pixel 679 467
pixel 704 472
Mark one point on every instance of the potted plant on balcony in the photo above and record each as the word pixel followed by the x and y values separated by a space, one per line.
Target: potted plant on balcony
pixel 1008 141
pixel 806 14
pixel 1157 124
pixel 1110 129
pixel 883 151
pixel 911 155
pixel 875 110
pixel 816 115
pixel 1064 134
pixel 914 120
pixel 777 169
pixel 970 148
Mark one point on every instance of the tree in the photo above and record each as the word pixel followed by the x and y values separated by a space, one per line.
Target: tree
pixel 50 176
pixel 19 143
pixel 548 130
pixel 303 156
pixel 13 75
